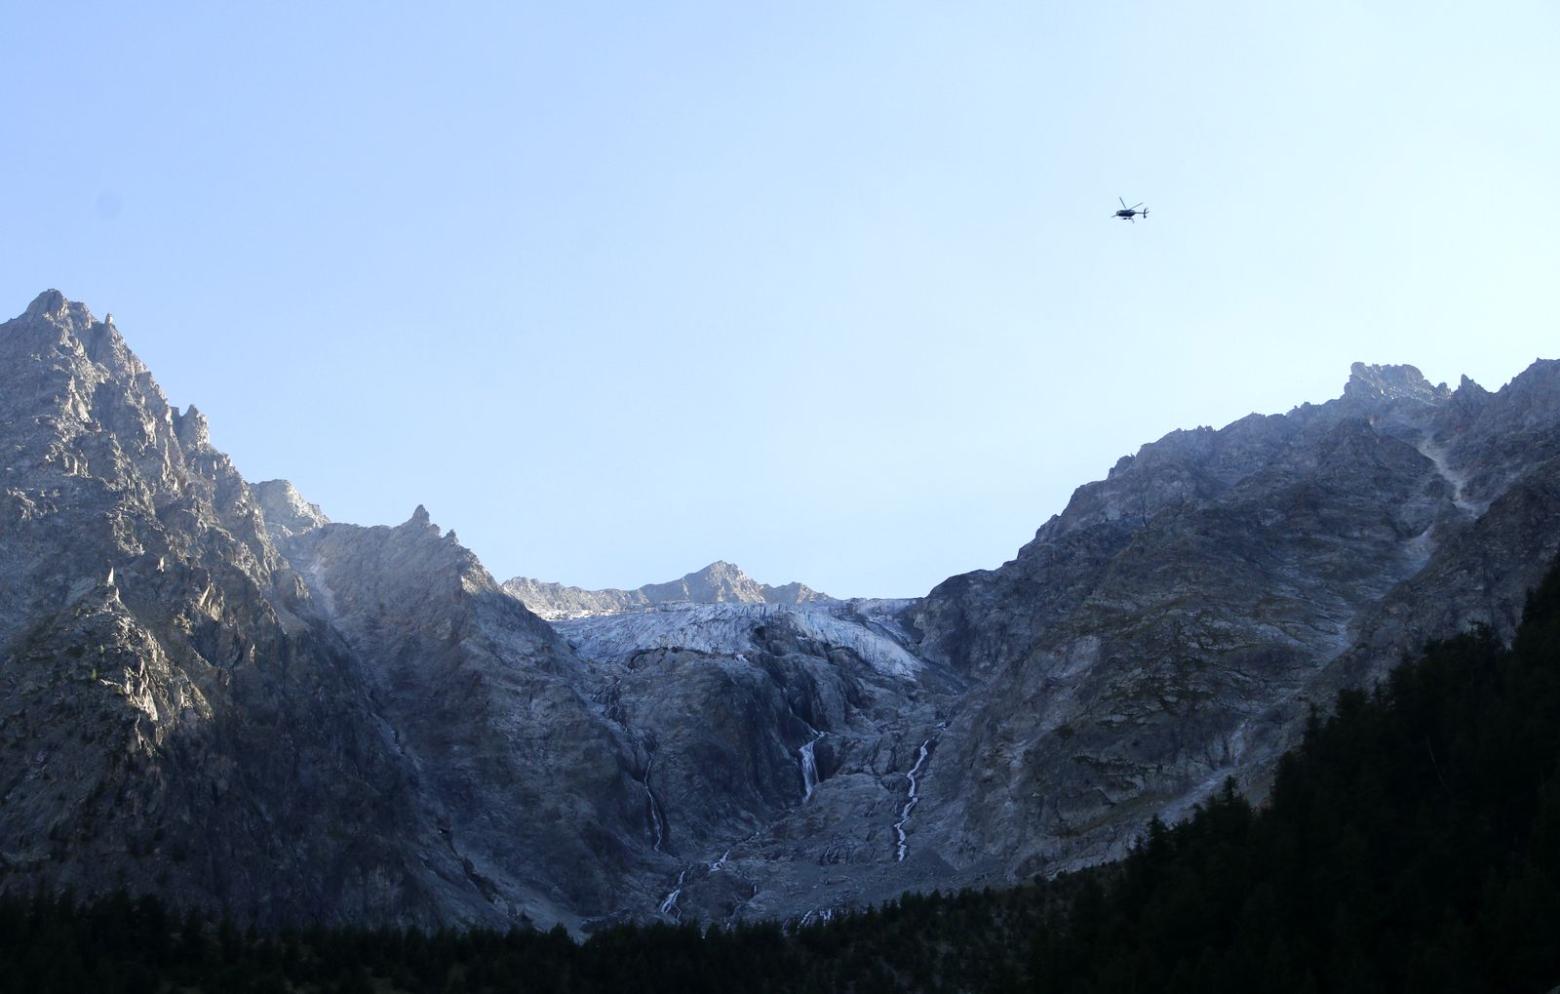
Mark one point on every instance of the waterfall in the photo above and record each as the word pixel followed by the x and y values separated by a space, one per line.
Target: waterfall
pixel 653 807
pixel 715 867
pixel 809 768
pixel 669 905
pixel 911 801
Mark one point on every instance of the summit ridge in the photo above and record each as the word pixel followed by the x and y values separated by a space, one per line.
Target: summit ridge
pixel 719 582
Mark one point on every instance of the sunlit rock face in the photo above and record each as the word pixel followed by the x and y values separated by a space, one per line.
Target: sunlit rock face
pixel 213 692
pixel 174 717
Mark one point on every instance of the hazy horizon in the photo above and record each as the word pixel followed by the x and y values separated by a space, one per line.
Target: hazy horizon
pixel 831 294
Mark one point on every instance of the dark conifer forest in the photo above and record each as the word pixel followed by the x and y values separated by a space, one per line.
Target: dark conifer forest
pixel 1411 843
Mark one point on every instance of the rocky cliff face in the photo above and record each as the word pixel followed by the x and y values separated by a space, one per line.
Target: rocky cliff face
pixel 210 690
pixel 1172 626
pixel 361 728
pixel 165 690
pixel 781 736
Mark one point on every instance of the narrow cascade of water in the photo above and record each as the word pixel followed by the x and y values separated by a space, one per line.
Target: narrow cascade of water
pixel 657 816
pixel 809 768
pixel 913 798
pixel 715 867
pixel 669 904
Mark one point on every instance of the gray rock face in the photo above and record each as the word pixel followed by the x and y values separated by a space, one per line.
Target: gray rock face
pixel 717 583
pixel 779 725
pixel 169 717
pixel 521 776
pixel 778 737
pixel 211 691
pixel 369 737
pixel 1172 626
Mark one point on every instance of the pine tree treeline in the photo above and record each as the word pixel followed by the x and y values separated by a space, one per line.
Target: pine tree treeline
pixel 1411 843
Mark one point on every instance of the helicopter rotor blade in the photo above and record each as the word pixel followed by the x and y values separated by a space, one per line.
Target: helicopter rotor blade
pixel 1123 203
pixel 1137 205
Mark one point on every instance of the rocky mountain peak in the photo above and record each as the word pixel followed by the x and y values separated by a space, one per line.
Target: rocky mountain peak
pixel 720 568
pixel 718 583
pixel 285 510
pixel 50 304
pixel 191 427
pixel 1371 382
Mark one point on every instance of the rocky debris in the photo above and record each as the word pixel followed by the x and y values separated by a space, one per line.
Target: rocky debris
pixel 717 583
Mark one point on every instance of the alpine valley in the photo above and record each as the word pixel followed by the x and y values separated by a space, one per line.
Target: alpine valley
pixel 212 693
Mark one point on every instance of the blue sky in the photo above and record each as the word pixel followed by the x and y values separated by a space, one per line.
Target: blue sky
pixel 825 289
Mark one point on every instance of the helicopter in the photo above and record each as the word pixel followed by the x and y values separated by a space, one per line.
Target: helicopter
pixel 1128 213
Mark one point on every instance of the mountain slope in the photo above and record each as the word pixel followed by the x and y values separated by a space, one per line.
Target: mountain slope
pixel 163 687
pixel 185 711
pixel 1411 843
pixel 1174 623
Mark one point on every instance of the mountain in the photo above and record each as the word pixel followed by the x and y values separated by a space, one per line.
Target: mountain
pixel 215 693
pixel 1411 842
pixel 291 719
pixel 1176 622
pixel 717 583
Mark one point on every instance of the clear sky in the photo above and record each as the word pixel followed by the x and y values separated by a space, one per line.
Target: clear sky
pixel 829 290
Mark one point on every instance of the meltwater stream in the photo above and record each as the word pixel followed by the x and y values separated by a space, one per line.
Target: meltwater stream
pixel 669 903
pixel 911 801
pixel 653 806
pixel 809 768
